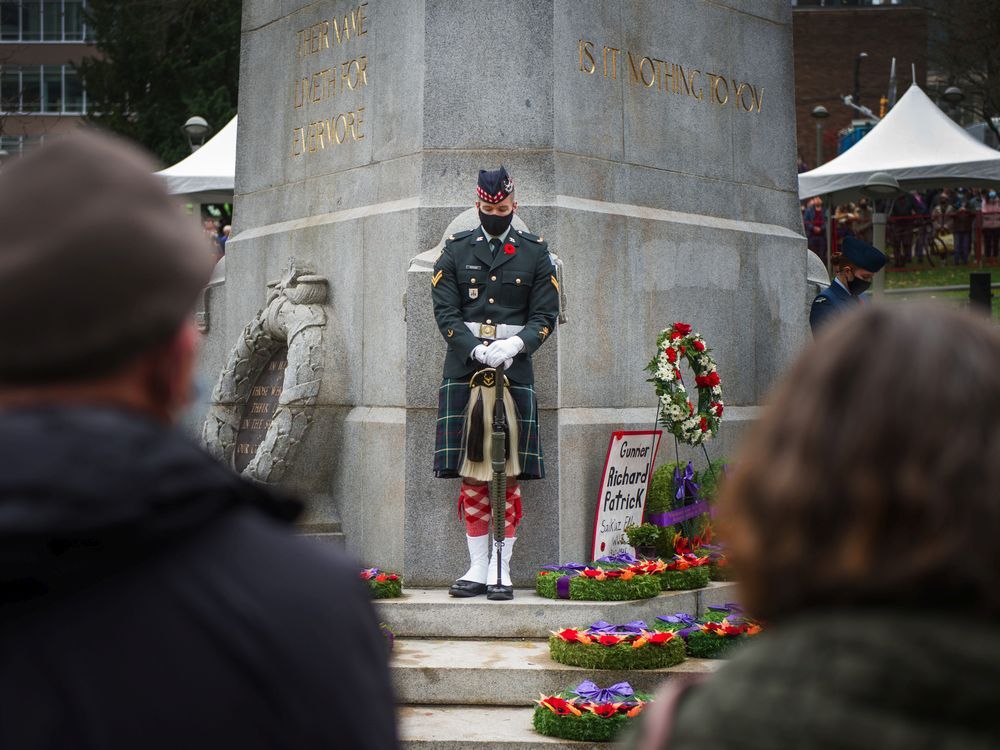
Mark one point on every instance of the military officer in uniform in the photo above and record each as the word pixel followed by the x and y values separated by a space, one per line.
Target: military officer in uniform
pixel 496 300
pixel 859 262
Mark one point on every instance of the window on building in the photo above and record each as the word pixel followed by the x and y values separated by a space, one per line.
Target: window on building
pixel 44 21
pixel 74 97
pixel 31 21
pixel 10 89
pixel 15 145
pixel 73 21
pixel 10 20
pixel 43 89
pixel 52 89
pixel 31 88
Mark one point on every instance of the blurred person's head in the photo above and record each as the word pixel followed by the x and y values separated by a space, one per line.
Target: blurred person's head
pixel 873 478
pixel 101 272
pixel 227 230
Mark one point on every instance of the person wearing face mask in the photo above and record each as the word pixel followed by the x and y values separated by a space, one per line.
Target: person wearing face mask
pixel 859 262
pixel 496 300
pixel 991 226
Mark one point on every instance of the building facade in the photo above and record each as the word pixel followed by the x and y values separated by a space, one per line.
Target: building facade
pixel 42 43
pixel 828 37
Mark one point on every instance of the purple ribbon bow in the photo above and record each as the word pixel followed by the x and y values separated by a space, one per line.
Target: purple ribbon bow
pixel 685 484
pixel 678 619
pixel 617 692
pixel 571 566
pixel 631 628
pixel 562 587
pixel 621 557
pixel 730 607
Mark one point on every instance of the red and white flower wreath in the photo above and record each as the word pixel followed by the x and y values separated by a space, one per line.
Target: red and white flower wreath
pixel 677 413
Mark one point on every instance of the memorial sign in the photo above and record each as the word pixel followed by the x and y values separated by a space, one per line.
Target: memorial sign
pixel 260 409
pixel 628 470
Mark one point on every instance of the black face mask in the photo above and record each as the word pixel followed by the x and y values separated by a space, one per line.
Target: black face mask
pixel 857 286
pixel 496 224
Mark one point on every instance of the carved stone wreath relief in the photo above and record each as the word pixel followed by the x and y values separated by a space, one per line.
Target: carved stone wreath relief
pixel 264 399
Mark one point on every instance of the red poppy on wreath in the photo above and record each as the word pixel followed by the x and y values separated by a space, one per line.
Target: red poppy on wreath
pixel 591 573
pixel 570 636
pixel 509 249
pixel 609 640
pixel 560 707
pixel 703 424
pixel 605 711
pixel 659 638
pixel 682 328
pixel 381 578
pixel 671 355
pixel 699 345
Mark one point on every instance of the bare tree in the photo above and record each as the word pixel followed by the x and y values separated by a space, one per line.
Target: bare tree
pixel 965 52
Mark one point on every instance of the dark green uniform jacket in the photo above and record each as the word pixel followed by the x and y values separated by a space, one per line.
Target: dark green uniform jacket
pixel 853 680
pixel 517 287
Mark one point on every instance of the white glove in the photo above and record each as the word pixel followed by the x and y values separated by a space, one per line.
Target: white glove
pixel 505 349
pixel 479 354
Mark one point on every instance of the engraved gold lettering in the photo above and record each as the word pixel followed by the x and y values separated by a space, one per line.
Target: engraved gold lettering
pixel 652 72
pixel 691 84
pixel 587 64
pixel 632 68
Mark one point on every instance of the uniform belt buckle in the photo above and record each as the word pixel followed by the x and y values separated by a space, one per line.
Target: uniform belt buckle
pixel 487 332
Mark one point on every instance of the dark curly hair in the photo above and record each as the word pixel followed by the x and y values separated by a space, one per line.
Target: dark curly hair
pixel 873 476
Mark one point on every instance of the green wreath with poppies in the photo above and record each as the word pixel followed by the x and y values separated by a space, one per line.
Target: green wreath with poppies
pixel 588 713
pixel 595 583
pixel 382 585
pixel 602 646
pixel 715 635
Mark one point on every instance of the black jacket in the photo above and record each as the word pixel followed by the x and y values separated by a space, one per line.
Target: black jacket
pixel 150 598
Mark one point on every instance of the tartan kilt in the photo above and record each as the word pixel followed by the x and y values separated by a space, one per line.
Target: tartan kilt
pixel 453 398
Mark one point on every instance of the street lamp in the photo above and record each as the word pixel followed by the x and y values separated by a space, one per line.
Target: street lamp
pixel 881 187
pixel 953 95
pixel 196 129
pixel 819 113
pixel 857 77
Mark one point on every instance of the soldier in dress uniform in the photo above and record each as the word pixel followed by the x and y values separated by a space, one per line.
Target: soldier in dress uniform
pixel 859 262
pixel 496 300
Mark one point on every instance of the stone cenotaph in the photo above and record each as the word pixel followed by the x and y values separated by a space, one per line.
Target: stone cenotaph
pixel 652 143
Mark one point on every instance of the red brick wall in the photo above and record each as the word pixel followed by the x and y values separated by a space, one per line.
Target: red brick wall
pixel 826 43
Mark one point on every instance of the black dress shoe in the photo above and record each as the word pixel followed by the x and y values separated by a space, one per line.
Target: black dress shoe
pixel 463 588
pixel 499 593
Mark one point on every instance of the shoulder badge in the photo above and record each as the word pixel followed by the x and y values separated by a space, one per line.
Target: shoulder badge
pixel 531 237
pixel 459 235
pixel 818 300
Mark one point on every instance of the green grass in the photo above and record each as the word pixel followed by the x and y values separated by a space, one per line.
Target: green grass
pixel 918 275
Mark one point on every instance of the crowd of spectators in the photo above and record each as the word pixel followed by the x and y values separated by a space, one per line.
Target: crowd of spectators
pixel 956 225
pixel 217 234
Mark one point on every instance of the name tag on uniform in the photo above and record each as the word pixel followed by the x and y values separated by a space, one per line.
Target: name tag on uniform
pixel 473 268
pixel 474 292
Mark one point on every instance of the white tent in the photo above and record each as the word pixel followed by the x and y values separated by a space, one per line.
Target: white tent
pixel 207 175
pixel 916 143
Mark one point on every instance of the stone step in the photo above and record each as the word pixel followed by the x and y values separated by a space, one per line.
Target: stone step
pixel 476 728
pixel 431 613
pixel 504 672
